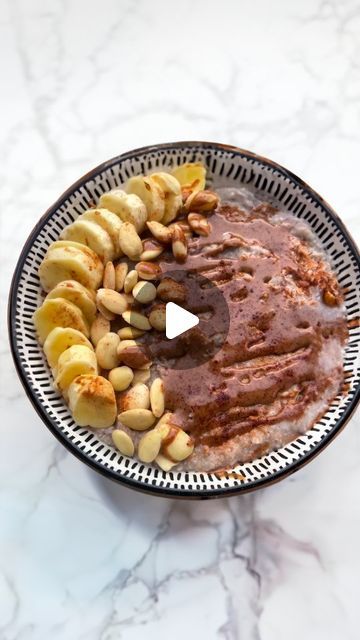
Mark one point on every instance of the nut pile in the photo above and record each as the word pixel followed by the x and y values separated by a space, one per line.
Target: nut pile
pixel 104 292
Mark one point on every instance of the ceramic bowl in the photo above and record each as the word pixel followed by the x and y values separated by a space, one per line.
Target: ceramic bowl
pixel 227 166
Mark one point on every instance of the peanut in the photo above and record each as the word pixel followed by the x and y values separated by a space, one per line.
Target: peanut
pixel 199 224
pixel 152 249
pixel 202 201
pixel 123 442
pixel 179 244
pixel 148 270
pixel 149 446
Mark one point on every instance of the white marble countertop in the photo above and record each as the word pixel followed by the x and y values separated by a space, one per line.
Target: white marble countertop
pixel 81 82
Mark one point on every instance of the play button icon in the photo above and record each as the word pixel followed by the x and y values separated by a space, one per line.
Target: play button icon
pixel 196 321
pixel 178 320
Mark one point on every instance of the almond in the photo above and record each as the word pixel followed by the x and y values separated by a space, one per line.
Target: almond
pixel 121 270
pixel 160 232
pixel 109 276
pixel 112 300
pixel 137 419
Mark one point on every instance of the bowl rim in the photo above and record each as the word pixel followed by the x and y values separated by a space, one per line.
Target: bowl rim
pixel 50 424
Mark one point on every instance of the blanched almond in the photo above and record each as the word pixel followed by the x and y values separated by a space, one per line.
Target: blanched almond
pixel 109 315
pixel 144 292
pixel 109 276
pixel 137 419
pixel 160 232
pixel 121 378
pixel 137 320
pixel 130 281
pixel 106 351
pixel 121 270
pixel 179 447
pixel 99 328
pixel 141 375
pixel 157 397
pixel 157 317
pixel 169 290
pixel 112 300
pixel 138 397
pixel 164 463
pixel 166 423
pixel 123 442
pixel 130 241
pixel 130 333
pixel 149 446
pixel 148 270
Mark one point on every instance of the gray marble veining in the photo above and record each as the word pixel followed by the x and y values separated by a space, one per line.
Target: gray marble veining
pixel 80 82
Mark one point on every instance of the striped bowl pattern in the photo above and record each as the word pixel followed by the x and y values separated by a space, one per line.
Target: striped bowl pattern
pixel 227 166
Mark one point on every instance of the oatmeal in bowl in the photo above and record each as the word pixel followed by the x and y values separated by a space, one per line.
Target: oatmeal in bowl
pixel 262 365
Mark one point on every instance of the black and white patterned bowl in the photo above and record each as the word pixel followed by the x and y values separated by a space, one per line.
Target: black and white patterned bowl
pixel 228 166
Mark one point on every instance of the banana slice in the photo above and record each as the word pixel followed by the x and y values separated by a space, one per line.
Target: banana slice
pixel 150 193
pixel 77 294
pixel 172 190
pixel 191 174
pixel 60 339
pixel 109 221
pixel 58 312
pixel 74 361
pixel 91 235
pixel 128 206
pixel 167 182
pixel 70 261
pixel 92 401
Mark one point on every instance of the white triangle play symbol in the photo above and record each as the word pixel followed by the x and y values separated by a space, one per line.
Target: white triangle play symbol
pixel 178 320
